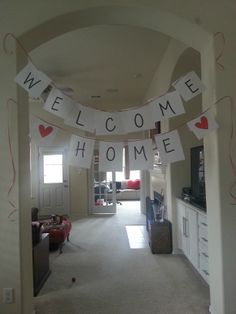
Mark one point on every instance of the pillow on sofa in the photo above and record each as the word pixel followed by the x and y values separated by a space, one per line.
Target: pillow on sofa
pixel 133 184
pixel 124 184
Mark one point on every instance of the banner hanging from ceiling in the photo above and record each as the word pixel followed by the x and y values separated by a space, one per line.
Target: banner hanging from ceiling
pixel 110 156
pixel 58 103
pixel 202 125
pixel 111 123
pixel 117 123
pixel 170 147
pixel 43 133
pixel 32 80
pixel 81 151
pixel 141 155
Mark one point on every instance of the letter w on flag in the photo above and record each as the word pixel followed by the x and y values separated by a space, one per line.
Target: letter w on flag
pixel 32 80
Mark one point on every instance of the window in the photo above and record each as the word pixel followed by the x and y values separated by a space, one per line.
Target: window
pixel 53 168
pixel 120 175
pixel 134 174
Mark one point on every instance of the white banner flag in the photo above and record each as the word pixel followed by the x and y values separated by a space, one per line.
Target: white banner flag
pixel 58 103
pixel 140 155
pixel 169 147
pixel 189 86
pixel 81 117
pixel 167 106
pixel 110 156
pixel 203 125
pixel 81 151
pixel 108 123
pixel 138 119
pixel 43 133
pixel 32 80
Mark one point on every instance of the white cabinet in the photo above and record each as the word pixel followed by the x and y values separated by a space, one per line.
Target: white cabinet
pixel 192 236
pixel 183 230
pixel 203 247
pixel 188 232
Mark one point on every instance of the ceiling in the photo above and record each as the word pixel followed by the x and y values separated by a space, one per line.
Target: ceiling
pixel 107 67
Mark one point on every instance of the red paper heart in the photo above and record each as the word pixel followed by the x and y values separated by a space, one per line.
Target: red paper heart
pixel 203 124
pixel 45 131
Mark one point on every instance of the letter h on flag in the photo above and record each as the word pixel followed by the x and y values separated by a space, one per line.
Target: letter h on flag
pixel 81 151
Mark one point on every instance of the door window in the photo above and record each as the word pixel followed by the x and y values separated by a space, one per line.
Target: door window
pixel 53 168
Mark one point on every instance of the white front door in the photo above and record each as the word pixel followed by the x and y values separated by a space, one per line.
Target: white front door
pixel 54 185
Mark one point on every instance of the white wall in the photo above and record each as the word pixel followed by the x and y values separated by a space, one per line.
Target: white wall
pixel 177 61
pixel 179 173
pixel 78 184
pixel 190 25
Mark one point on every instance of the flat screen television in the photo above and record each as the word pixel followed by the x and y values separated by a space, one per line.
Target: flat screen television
pixel 198 196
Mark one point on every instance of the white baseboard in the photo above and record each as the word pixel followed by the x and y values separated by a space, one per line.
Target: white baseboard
pixel 177 251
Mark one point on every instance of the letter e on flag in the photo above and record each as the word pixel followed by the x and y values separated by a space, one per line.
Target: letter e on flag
pixel 169 147
pixel 189 86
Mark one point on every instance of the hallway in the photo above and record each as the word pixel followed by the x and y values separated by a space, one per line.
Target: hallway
pixel 110 277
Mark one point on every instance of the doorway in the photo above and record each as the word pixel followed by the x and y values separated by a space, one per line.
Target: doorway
pixel 102 191
pixel 53 181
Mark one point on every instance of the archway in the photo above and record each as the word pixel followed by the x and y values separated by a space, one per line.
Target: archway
pixel 177 28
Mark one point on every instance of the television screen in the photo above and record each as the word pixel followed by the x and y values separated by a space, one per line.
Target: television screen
pixel 198 175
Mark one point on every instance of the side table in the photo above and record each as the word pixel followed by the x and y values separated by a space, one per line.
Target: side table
pixel 41 269
pixel 160 236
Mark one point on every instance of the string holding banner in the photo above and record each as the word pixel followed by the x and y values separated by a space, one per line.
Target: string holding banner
pixel 13 182
pixel 232 163
pixel 10 52
pixel 202 122
pixel 220 55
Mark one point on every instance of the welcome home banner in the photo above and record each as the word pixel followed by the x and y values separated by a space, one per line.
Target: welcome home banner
pixel 111 123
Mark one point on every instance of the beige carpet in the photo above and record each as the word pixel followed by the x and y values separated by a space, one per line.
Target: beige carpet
pixel 111 278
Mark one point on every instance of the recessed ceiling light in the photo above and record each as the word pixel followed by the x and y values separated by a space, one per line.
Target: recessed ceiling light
pixel 66 89
pixel 112 90
pixel 138 75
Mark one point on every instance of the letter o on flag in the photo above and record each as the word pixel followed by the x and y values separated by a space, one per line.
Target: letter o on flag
pixel 110 151
pixel 137 117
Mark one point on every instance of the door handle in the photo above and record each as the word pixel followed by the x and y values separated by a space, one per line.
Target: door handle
pixel 183 226
pixel 187 227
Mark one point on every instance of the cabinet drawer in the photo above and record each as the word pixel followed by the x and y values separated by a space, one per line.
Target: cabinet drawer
pixel 202 220
pixel 203 236
pixel 203 250
pixel 204 267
